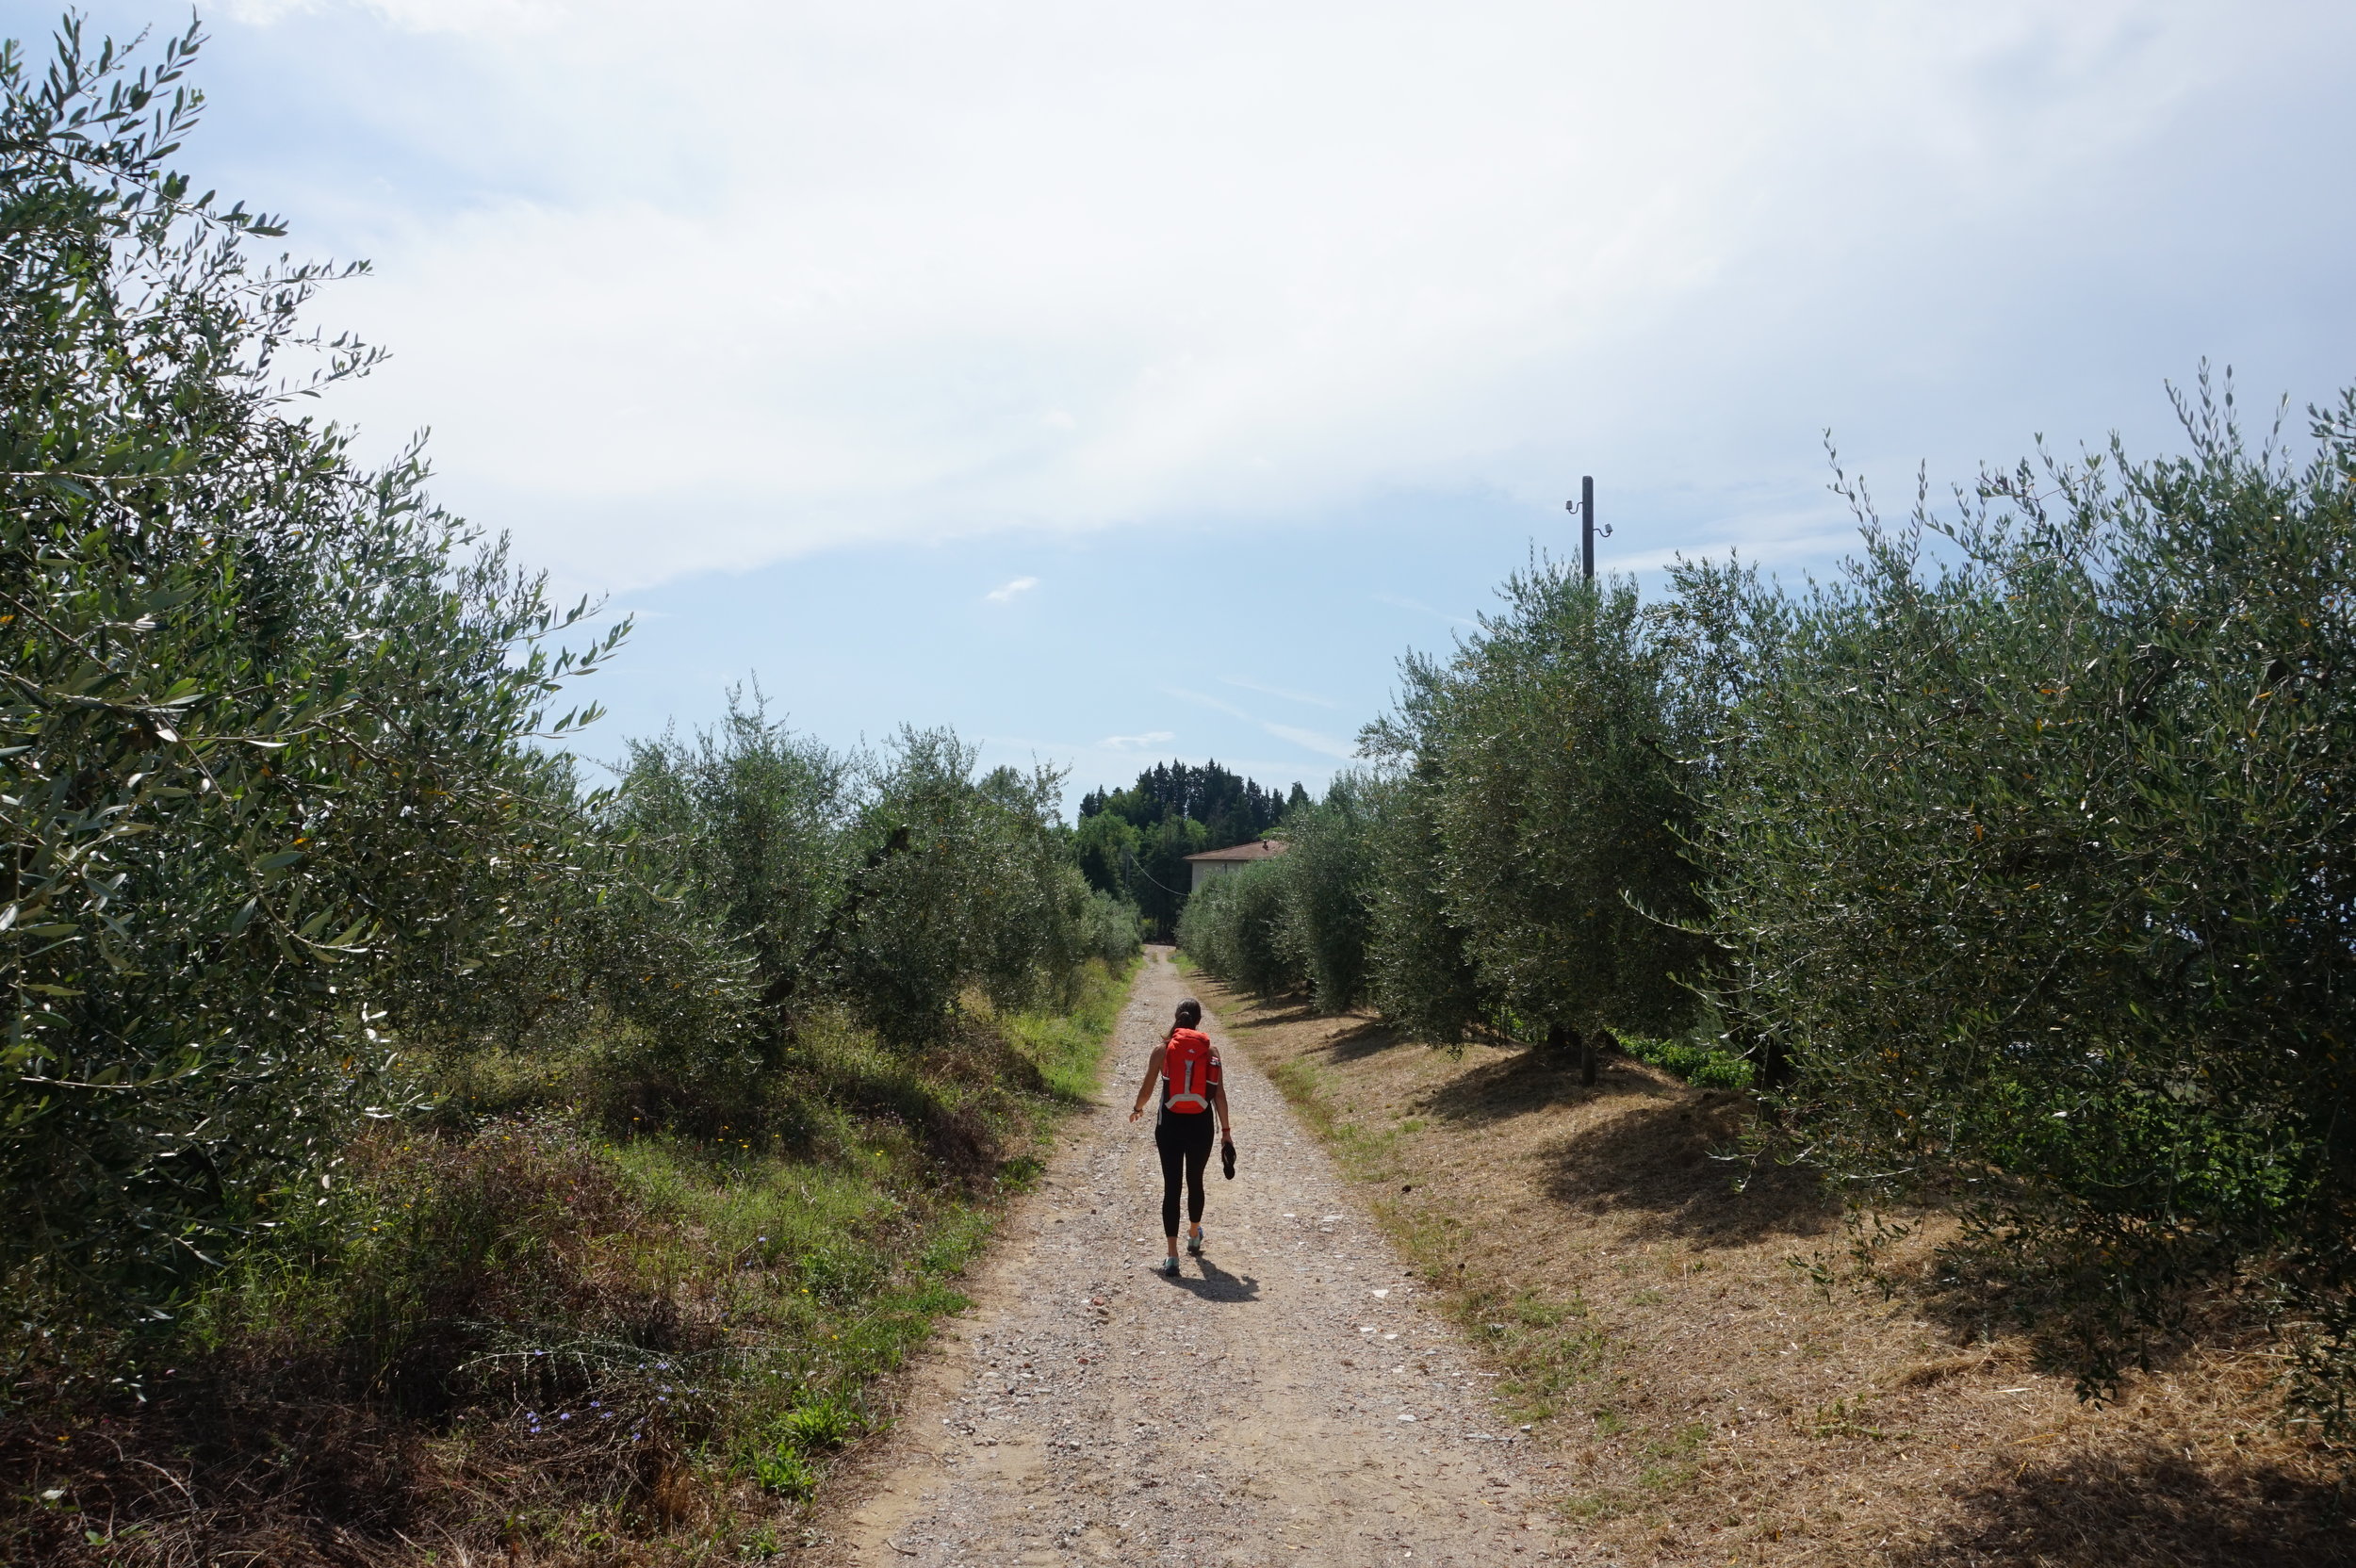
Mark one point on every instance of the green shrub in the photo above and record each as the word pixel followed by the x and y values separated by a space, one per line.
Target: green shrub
pixel 750 824
pixel 1110 928
pixel 1704 1066
pixel 264 728
pixel 1299 919
pixel 1327 873
pixel 964 883
pixel 1236 928
pixel 890 886
pixel 2037 860
pixel 1720 1070
pixel 1420 974
pixel 1546 767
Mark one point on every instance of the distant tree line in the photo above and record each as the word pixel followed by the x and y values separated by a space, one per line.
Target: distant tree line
pixel 2015 865
pixel 1133 844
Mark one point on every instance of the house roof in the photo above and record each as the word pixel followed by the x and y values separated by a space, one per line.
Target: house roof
pixel 1258 850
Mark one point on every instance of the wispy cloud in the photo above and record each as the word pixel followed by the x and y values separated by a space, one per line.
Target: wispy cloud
pixel 1310 697
pixel 1134 742
pixel 1309 740
pixel 1213 703
pixel 1006 592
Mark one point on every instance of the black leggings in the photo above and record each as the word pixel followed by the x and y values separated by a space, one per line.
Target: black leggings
pixel 1185 1142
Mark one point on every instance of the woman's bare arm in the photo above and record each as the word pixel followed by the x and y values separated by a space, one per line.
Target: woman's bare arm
pixel 1219 1099
pixel 1152 1070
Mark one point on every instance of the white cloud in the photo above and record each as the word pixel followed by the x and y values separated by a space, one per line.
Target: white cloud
pixel 1200 700
pixel 686 286
pixel 1133 743
pixel 1309 740
pixel 1006 591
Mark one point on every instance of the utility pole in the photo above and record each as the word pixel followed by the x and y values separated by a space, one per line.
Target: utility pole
pixel 1587 525
pixel 1586 507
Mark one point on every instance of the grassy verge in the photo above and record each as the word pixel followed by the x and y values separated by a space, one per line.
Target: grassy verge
pixel 519 1327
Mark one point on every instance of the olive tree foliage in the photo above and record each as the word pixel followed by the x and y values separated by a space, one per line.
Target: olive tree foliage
pixel 1725 635
pixel 1237 926
pixel 1420 972
pixel 1546 768
pixel 963 883
pixel 751 824
pixel 261 710
pixel 1108 928
pixel 890 886
pixel 1327 871
pixel 2040 862
pixel 1300 921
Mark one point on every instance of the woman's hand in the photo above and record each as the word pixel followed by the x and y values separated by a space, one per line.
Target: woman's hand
pixel 1153 1073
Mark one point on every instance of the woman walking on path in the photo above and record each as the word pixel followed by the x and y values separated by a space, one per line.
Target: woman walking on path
pixel 1187 1064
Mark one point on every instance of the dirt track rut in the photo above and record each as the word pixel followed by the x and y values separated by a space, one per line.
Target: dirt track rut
pixel 1290 1400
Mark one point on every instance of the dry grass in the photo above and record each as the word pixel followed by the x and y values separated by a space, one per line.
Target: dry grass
pixel 1713 1383
pixel 343 1404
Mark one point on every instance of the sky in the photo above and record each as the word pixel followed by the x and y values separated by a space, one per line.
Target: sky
pixel 1121 383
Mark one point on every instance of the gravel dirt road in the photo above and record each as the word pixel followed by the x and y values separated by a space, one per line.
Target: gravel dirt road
pixel 1293 1398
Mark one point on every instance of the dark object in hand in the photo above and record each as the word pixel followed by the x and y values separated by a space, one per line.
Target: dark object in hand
pixel 1227 1159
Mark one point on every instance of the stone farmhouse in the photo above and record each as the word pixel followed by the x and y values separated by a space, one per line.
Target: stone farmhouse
pixel 1213 863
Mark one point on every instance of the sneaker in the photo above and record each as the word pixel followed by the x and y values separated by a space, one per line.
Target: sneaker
pixel 1194 1244
pixel 1169 1267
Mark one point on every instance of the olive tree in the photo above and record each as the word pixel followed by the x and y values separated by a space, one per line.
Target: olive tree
pixel 2038 861
pixel 1420 974
pixel 1327 875
pixel 1552 756
pixel 263 710
pixel 1236 928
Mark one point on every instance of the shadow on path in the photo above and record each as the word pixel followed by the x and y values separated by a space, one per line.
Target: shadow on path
pixel 1217 1284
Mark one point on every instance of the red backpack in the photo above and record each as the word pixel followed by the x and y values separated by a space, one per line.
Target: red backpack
pixel 1189 1069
